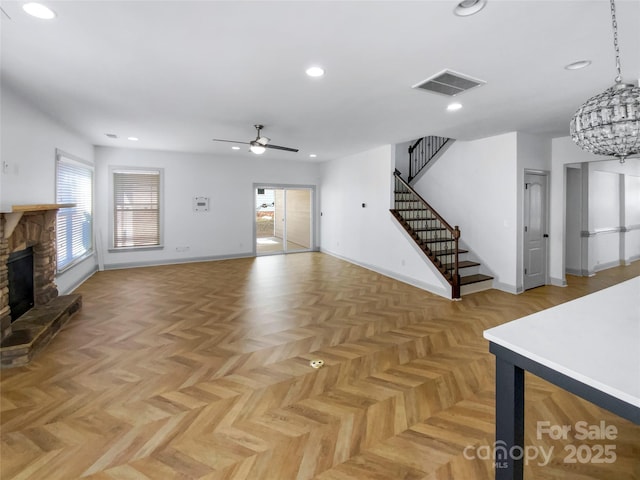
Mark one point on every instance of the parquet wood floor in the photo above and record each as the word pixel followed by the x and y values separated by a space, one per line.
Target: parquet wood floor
pixel 201 371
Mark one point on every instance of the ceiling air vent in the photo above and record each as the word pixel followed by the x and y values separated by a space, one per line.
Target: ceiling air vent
pixel 449 83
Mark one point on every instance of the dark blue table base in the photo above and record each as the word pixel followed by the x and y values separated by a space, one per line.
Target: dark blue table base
pixel 510 368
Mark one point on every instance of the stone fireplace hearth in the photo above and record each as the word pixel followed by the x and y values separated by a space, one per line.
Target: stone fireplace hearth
pixel 31 226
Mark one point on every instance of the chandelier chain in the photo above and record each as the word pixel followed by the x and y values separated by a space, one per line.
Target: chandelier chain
pixel 615 41
pixel 609 123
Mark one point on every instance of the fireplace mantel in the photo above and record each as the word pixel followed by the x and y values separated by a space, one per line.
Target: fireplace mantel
pixel 12 217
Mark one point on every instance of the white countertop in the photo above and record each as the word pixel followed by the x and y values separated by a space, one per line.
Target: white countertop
pixel 594 339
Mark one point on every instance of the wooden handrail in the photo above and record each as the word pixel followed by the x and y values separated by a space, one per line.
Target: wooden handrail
pixel 433 210
pixel 415 145
pixel 436 256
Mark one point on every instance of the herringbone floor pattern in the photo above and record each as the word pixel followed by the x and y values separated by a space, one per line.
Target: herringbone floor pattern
pixel 201 371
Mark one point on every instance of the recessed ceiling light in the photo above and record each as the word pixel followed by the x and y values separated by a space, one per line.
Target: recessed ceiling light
pixel 315 71
pixel 469 7
pixel 39 11
pixel 312 155
pixel 452 107
pixel 235 148
pixel 133 139
pixel 578 65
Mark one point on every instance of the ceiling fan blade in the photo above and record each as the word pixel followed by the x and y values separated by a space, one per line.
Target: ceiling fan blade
pixel 278 147
pixel 229 141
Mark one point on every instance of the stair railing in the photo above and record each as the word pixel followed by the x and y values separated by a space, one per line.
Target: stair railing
pixel 435 237
pixel 423 151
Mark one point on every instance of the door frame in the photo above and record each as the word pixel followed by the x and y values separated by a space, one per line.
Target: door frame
pixel 545 174
pixel 582 214
pixel 312 213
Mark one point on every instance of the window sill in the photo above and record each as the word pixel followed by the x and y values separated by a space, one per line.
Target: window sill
pixel 75 262
pixel 135 249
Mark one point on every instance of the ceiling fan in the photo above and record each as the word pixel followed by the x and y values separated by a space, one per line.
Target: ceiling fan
pixel 260 144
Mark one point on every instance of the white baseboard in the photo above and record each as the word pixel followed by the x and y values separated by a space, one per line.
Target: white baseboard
pixel 558 282
pixel 174 261
pixel 606 266
pixel 507 287
pixel 78 282
pixel 436 290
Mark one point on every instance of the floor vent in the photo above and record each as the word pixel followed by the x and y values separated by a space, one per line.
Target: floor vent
pixel 449 83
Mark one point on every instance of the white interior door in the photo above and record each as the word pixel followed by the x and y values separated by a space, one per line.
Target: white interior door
pixel 535 226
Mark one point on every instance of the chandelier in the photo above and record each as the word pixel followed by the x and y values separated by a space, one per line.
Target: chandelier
pixel 609 123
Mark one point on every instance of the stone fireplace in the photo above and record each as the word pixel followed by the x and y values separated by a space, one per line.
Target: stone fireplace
pixel 23 227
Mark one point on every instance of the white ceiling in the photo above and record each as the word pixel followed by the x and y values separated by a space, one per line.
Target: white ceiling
pixel 178 73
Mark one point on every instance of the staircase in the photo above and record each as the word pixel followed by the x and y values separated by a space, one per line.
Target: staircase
pixel 424 151
pixel 437 239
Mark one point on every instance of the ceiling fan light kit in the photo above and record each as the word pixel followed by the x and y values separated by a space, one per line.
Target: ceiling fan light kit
pixel 257 148
pixel 609 123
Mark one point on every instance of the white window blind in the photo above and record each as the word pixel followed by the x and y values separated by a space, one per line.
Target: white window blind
pixel 74 227
pixel 136 221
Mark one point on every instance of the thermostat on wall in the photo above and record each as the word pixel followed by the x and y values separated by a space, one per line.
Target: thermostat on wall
pixel 200 204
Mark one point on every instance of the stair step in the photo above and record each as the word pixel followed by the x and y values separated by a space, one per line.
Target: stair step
pixel 468 280
pixel 449 251
pixel 411 210
pixel 399 216
pixel 463 264
pixel 476 287
pixel 428 229
pixel 437 240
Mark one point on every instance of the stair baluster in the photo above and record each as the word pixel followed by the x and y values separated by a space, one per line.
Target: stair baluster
pixel 437 239
pixel 423 151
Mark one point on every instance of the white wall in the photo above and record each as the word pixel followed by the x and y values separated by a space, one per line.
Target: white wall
pixel 534 154
pixel 29 139
pixel 29 142
pixel 614 200
pixel 632 190
pixel 226 230
pixel 563 151
pixel 370 236
pixel 632 217
pixel 475 185
pixel 604 250
pixel 604 193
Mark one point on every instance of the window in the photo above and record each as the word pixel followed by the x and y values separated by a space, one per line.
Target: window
pixel 136 208
pixel 74 227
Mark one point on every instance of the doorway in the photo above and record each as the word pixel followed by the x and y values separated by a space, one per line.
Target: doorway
pixel 535 229
pixel 574 218
pixel 283 219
